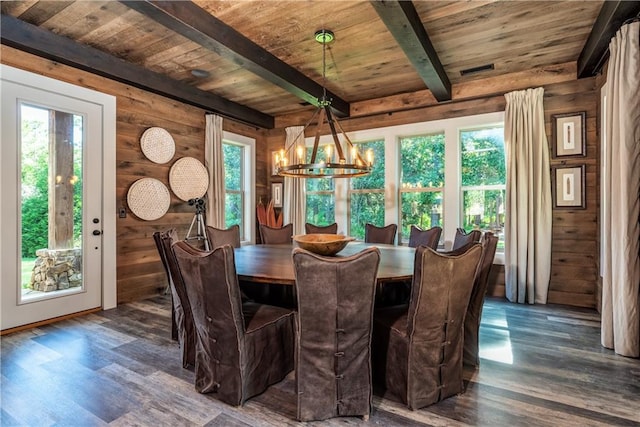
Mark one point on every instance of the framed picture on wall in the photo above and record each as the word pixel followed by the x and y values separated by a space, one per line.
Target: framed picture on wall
pixel 276 194
pixel 568 187
pixel 569 135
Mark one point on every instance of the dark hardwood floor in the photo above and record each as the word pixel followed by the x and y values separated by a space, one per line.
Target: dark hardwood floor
pixel 541 366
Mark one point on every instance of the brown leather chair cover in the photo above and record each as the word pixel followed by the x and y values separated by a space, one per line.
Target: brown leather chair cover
pixel 327 229
pixel 429 238
pixel 182 316
pixel 382 235
pixel 333 354
pixel 219 237
pixel 474 311
pixel 463 238
pixel 418 348
pixel 276 236
pixel 241 349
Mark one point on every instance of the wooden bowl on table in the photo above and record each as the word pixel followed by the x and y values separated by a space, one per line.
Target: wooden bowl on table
pixel 322 244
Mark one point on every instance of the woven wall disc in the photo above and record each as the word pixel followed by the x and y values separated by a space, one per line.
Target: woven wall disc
pixel 188 178
pixel 148 199
pixel 157 145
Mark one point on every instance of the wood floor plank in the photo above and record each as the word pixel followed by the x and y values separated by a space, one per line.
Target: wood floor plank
pixel 540 366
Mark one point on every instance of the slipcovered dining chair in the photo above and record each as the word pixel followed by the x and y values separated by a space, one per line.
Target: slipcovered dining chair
pixel 382 235
pixel 241 348
pixel 429 238
pixel 276 236
pixel 182 319
pixel 476 301
pixel 218 237
pixel 417 348
pixel 327 229
pixel 463 238
pixel 333 355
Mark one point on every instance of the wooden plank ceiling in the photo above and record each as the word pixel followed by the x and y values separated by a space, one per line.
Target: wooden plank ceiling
pixel 367 60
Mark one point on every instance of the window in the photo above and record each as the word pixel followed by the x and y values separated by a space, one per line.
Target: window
pixel 320 196
pixel 366 195
pixel 239 181
pixel 483 177
pixel 448 173
pixel 421 182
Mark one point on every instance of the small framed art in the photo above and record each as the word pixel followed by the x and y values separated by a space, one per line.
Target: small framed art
pixel 568 187
pixel 569 135
pixel 276 194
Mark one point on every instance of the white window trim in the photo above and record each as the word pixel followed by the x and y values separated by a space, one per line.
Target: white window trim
pixel 452 190
pixel 248 182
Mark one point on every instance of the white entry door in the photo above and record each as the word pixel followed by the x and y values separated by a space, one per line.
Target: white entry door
pixel 51 208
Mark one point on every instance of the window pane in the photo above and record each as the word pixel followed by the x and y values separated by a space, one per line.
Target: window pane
pixel 422 159
pixel 233 210
pixel 423 209
pixel 232 166
pixel 482 154
pixel 375 180
pixel 365 207
pixel 484 210
pixel 320 208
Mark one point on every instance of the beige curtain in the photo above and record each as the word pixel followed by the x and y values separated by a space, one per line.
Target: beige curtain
pixel 294 203
pixel 214 162
pixel 621 187
pixel 528 204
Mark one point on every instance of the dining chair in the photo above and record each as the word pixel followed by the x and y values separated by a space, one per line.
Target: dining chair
pixel 463 238
pixel 382 235
pixel 417 348
pixel 429 238
pixel 476 301
pixel 182 319
pixel 327 229
pixel 333 337
pixel 276 236
pixel 241 348
pixel 218 237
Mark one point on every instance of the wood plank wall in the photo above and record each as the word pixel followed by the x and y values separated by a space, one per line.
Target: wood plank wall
pixel 575 232
pixel 139 270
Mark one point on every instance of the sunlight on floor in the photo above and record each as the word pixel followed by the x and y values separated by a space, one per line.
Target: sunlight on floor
pixel 498 348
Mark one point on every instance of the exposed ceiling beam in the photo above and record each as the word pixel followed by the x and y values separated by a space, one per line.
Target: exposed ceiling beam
pixel 403 21
pixel 596 49
pixel 196 24
pixel 40 42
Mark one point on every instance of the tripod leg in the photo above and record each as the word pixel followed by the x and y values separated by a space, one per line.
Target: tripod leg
pixel 191 227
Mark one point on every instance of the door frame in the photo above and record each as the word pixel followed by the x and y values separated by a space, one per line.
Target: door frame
pixel 107 104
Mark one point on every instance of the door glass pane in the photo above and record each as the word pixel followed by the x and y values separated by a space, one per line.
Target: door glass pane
pixel 51 202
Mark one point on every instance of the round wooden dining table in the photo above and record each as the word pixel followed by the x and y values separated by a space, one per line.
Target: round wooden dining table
pixel 273 264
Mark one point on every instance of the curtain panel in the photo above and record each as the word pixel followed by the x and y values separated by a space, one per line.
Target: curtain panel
pixel 528 199
pixel 621 186
pixel 214 161
pixel 294 201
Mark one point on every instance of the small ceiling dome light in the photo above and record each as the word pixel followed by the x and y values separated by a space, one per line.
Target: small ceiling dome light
pixel 292 161
pixel 201 74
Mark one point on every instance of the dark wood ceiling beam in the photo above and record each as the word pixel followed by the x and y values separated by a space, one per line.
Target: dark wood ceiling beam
pixel 403 21
pixel 196 24
pixel 40 42
pixel 596 49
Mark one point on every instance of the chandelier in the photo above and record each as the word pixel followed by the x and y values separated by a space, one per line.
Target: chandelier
pixel 292 161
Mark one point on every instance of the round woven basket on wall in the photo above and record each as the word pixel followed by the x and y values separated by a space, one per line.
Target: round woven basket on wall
pixel 148 199
pixel 157 145
pixel 188 178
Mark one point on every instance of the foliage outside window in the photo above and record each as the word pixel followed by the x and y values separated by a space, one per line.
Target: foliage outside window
pixel 421 182
pixel 320 196
pixel 483 174
pixel 233 182
pixel 366 195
